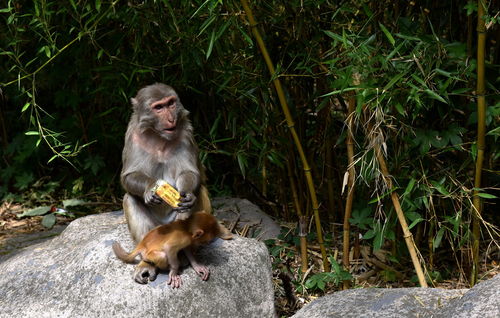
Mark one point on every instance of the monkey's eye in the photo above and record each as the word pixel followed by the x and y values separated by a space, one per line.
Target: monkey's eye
pixel 158 106
pixel 171 103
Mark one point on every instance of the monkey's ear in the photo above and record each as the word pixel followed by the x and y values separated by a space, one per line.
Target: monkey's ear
pixel 198 233
pixel 135 103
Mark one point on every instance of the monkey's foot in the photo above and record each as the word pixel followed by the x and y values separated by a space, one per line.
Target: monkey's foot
pixel 145 273
pixel 174 280
pixel 202 271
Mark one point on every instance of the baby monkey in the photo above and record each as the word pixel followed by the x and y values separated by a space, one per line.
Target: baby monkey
pixel 160 246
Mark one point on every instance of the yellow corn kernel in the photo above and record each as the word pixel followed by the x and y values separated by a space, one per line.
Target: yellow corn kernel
pixel 168 193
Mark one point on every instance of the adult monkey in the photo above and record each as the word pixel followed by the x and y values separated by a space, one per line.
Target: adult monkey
pixel 159 145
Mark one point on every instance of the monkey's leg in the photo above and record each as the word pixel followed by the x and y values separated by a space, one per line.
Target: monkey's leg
pixel 145 273
pixel 140 220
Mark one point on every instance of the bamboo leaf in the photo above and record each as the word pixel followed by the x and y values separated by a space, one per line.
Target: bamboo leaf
pixel 35 212
pixel 339 91
pixel 415 222
pixel 47 51
pixel 442 72
pixel 441 189
pixel 25 107
pixel 419 80
pixel 400 109
pixel 487 195
pixel 338 38
pixel 210 45
pixel 438 238
pixel 434 95
pixel 199 8
pixel 378 240
pixel 394 80
pixel 73 202
pixel 73 4
pixel 206 24
pixel 52 158
pixel 242 162
pixel 246 37
pixel 387 34
pixel 396 50
pixel 409 187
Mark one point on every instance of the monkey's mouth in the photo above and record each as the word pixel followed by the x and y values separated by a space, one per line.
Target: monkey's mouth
pixel 170 130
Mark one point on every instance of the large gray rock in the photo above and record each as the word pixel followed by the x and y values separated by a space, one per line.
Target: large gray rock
pixel 244 213
pixel 482 301
pixel 77 275
pixel 380 302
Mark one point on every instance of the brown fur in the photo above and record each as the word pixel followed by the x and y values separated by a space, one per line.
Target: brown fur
pixel 160 246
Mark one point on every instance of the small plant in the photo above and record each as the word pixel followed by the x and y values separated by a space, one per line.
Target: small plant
pixel 319 281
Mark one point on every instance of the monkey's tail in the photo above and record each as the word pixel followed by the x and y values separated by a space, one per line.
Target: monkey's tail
pixel 123 255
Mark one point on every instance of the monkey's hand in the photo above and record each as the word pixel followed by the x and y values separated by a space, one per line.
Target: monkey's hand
pixel 202 271
pixel 150 197
pixel 187 201
pixel 145 273
pixel 174 279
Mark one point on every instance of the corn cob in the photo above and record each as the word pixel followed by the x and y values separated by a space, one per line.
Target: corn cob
pixel 168 193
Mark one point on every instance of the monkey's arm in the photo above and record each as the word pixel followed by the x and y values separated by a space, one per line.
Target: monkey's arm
pixel 174 278
pixel 139 184
pixel 188 183
pixel 201 270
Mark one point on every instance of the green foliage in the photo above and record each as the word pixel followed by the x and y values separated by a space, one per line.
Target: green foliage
pixel 69 68
pixel 319 281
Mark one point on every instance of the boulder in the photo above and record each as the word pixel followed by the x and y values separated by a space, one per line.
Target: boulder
pixel 481 301
pixel 77 275
pixel 380 302
pixel 244 213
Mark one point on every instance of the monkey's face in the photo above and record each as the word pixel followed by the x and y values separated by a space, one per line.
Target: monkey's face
pixel 168 116
pixel 159 109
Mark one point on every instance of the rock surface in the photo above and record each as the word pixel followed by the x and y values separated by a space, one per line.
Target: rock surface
pixel 260 225
pixel 482 301
pixel 77 275
pixel 379 302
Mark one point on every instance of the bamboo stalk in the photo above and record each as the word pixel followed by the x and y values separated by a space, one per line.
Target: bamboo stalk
pixel 481 126
pixel 264 178
pixel 401 217
pixel 303 242
pixel 329 180
pixel 350 185
pixel 302 220
pixel 291 126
